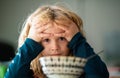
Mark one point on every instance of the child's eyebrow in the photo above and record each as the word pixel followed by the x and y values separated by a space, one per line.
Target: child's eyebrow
pixel 45 38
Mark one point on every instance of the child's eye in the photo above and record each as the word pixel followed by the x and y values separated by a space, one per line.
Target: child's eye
pixel 46 40
pixel 62 38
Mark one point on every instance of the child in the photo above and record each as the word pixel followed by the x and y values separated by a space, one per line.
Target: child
pixel 53 31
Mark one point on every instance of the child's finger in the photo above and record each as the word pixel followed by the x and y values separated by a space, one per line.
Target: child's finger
pixel 44 35
pixel 63 27
pixel 43 28
pixel 60 34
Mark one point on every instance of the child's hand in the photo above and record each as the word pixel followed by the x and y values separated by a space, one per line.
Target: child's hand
pixel 36 33
pixel 70 31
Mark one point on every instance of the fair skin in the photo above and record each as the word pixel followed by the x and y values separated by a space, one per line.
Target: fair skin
pixel 54 45
pixel 53 37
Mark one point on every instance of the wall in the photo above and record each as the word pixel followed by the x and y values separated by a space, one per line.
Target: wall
pixel 102 25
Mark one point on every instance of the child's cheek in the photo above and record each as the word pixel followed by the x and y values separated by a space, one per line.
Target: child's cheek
pixel 46 52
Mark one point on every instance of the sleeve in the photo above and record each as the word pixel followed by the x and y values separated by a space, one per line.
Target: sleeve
pixel 20 65
pixel 95 67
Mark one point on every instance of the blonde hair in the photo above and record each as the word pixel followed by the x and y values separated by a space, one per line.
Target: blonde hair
pixel 46 14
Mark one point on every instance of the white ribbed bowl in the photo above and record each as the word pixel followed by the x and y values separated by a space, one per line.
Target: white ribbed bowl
pixel 62 66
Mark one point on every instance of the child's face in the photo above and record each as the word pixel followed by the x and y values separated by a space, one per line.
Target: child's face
pixel 54 45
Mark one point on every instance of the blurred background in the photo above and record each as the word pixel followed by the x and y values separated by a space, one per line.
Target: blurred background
pixel 101 20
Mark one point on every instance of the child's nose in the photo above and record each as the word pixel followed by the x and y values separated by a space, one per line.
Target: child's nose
pixel 54 46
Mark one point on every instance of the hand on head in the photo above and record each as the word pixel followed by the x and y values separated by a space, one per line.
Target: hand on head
pixel 37 32
pixel 70 31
